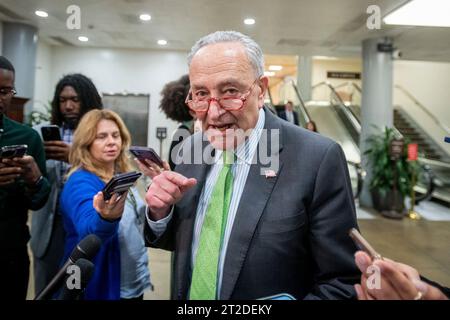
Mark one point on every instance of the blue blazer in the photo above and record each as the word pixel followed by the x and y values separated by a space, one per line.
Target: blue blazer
pixel 81 219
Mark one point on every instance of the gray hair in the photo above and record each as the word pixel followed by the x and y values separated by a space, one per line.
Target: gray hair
pixel 253 50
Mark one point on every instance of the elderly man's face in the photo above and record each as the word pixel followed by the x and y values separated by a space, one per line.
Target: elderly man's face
pixel 224 69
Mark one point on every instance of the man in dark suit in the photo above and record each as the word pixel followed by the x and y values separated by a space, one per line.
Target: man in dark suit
pixel 259 207
pixel 289 114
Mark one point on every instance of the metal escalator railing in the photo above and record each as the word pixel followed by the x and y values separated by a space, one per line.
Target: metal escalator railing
pixel 350 84
pixel 302 107
pixel 345 113
pixel 355 170
pixel 441 125
pixel 353 93
pixel 358 181
pixel 426 184
pixel 427 181
pixel 269 101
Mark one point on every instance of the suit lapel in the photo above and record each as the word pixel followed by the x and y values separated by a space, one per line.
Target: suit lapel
pixel 257 191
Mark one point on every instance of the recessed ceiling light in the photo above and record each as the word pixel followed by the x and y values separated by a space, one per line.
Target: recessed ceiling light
pixel 428 13
pixel 145 17
pixel 83 39
pixel 269 73
pixel 162 42
pixel 41 13
pixel 275 68
pixel 249 21
pixel 324 58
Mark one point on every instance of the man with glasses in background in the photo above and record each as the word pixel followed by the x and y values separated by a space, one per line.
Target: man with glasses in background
pixel 75 95
pixel 243 228
pixel 23 186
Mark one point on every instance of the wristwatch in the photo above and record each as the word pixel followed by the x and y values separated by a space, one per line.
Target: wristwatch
pixel 37 183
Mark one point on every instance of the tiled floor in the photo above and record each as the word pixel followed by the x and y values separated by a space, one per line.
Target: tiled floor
pixel 422 243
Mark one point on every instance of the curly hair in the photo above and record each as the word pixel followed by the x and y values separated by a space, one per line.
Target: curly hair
pixel 173 96
pixel 87 92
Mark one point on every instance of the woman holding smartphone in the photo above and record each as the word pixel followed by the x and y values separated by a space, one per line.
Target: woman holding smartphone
pixel 98 153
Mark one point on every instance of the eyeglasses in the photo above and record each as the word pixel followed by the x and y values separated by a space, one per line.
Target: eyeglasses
pixel 7 91
pixel 229 103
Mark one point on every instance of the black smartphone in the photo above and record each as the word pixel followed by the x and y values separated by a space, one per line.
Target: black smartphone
pixel 51 133
pixel 15 151
pixel 120 183
pixel 146 153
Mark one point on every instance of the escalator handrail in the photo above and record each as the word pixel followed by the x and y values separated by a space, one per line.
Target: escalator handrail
pixel 431 186
pixel 423 108
pixel 345 109
pixel 270 104
pixel 302 106
pixel 356 86
pixel 270 96
pixel 436 163
pixel 360 173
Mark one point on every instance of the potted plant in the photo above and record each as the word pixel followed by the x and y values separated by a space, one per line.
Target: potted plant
pixel 40 116
pixel 391 172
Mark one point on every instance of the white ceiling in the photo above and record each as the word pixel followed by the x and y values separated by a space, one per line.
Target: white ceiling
pixel 298 27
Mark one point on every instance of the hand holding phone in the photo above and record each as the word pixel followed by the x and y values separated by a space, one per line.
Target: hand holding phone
pixel 51 133
pixel 146 153
pixel 14 151
pixel 111 210
pixel 120 184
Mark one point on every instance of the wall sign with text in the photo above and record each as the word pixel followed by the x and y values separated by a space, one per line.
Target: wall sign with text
pixel 343 75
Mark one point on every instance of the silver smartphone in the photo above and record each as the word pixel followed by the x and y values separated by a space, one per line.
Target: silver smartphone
pixel 363 244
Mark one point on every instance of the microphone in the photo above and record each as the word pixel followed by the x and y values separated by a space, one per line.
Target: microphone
pixel 86 249
pixel 86 271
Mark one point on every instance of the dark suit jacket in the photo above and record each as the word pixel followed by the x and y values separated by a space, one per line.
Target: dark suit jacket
pixel 283 116
pixel 290 233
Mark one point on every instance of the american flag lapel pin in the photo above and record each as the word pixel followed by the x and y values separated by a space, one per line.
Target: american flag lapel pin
pixel 270 174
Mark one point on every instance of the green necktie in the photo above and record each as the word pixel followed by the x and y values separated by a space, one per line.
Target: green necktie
pixel 204 275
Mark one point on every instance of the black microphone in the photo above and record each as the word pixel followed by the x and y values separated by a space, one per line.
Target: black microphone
pixel 86 249
pixel 86 269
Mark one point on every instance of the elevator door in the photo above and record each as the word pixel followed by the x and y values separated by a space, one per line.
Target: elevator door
pixel 134 110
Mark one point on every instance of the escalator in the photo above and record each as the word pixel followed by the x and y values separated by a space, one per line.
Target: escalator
pixel 328 124
pixel 434 178
pixel 337 115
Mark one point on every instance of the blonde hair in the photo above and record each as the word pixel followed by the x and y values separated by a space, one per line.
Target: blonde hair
pixel 81 158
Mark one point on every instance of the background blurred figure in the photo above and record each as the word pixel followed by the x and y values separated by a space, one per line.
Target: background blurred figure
pixel 172 103
pixel 98 152
pixel 398 281
pixel 311 125
pixel 289 114
pixel 22 187
pixel 74 95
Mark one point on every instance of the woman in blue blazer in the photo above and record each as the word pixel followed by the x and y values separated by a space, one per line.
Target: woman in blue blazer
pixel 97 154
